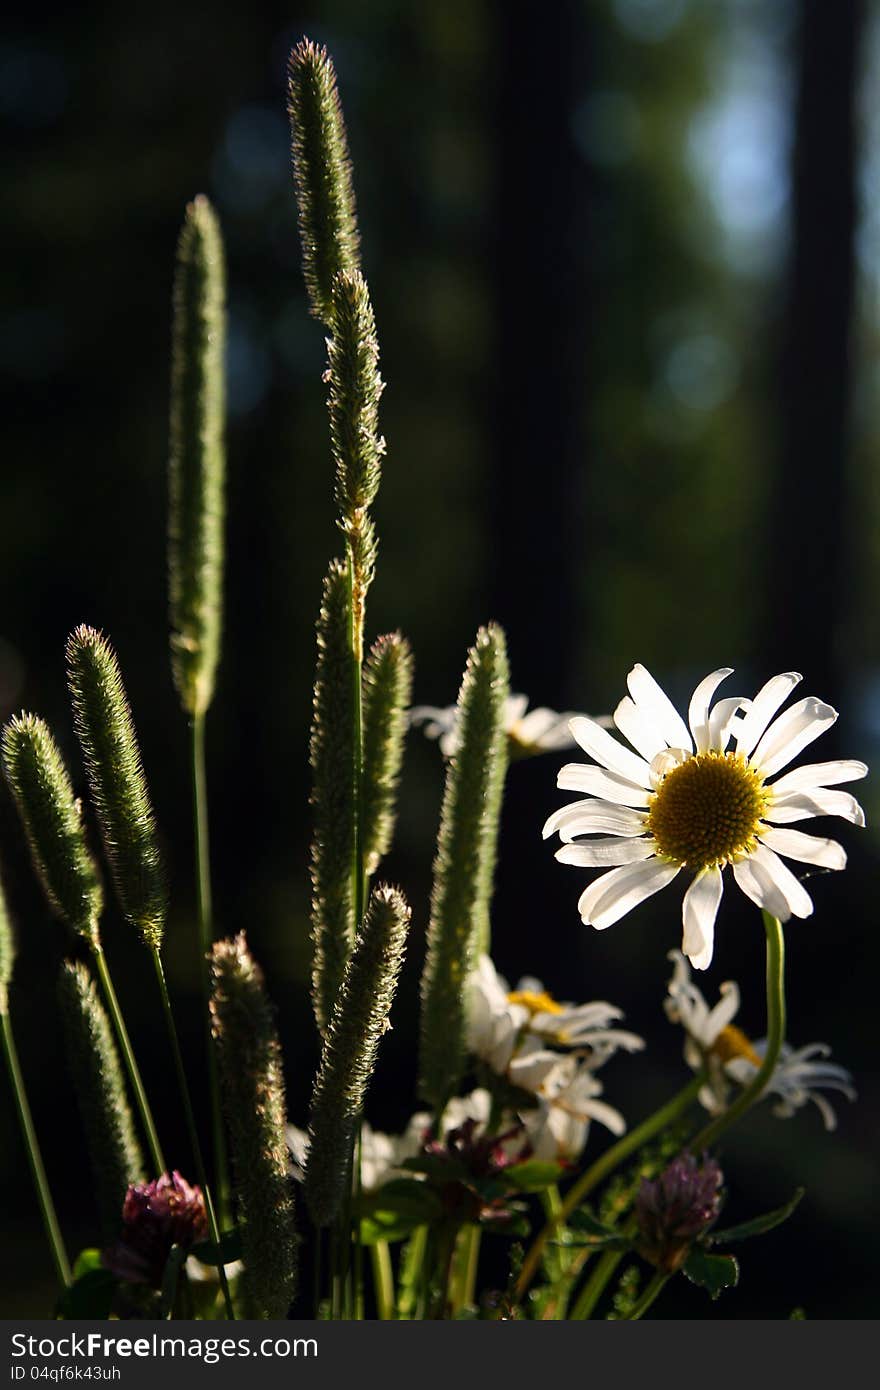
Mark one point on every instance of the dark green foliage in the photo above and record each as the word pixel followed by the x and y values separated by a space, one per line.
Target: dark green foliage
pixel 351 1043
pixel 53 823
pixel 105 729
pixel 252 1077
pixel 197 462
pixel 114 1150
pixel 7 952
pixel 322 175
pixel 387 687
pixel 464 864
pixel 332 758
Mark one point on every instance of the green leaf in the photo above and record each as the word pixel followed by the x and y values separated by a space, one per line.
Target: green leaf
pixel 397 1209
pixel 758 1225
pixel 711 1272
pixel 90 1297
pixel 533 1175
pixel 86 1261
pixel 230 1248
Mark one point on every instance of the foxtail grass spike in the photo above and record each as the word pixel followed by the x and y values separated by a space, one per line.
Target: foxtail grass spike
pixel 332 758
pixel 360 1017
pixel 464 864
pixel 106 733
pixel 197 462
pixel 387 690
pixel 114 1150
pixel 7 953
pixel 249 1053
pixel 322 175
pixel 53 823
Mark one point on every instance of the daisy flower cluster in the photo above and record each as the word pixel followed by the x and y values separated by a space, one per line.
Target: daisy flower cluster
pixel 550 1050
pixel 698 798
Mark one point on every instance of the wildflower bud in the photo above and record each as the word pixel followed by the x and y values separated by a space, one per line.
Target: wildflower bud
pixel 322 175
pixel 53 823
pixel 387 689
pixel 106 733
pixel 7 952
pixel 676 1208
pixel 351 1044
pixel 156 1216
pixel 465 864
pixel 332 759
pixel 252 1078
pixel 197 461
pixel 114 1151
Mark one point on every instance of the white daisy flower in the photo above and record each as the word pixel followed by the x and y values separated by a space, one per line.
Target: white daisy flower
pixel 684 800
pixel 714 1041
pixel 501 1021
pixel 540 731
pixel 711 1037
pixel 799 1076
pixel 568 1099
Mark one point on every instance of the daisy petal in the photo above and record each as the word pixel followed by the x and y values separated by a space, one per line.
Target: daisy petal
pixel 699 911
pixel 809 849
pixel 607 751
pixel 765 879
pixel 594 817
pixel 791 733
pixel 594 854
pixel 607 1116
pixel 821 775
pixel 722 721
pixel 638 728
pixel 698 710
pixel 656 704
pixel 620 890
pixel 765 704
pixel 595 781
pixel 817 802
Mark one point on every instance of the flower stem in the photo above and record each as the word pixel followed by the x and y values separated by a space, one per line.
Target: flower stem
pixel 654 1288
pixel 189 1117
pixel 596 1285
pixel 35 1159
pixel 128 1058
pixel 775 1038
pixel 383 1280
pixel 609 1160
pixel 206 933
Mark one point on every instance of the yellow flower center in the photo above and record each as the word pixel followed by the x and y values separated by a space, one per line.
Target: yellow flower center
pixel 536 1003
pixel 707 810
pixel 732 1042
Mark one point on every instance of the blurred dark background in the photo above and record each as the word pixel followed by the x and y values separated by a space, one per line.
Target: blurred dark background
pixel 625 259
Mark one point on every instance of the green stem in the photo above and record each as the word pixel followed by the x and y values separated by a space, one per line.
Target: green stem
pixel 189 1117
pixel 654 1288
pixel 383 1280
pixel 411 1263
pixel 129 1062
pixel 35 1159
pixel 775 1038
pixel 206 935
pixel 609 1160
pixel 595 1286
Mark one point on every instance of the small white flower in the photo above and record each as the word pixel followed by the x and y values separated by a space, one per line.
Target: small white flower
pixel 798 1077
pixel 714 1041
pixel 567 1096
pixel 682 800
pixel 501 1022
pixel 539 731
